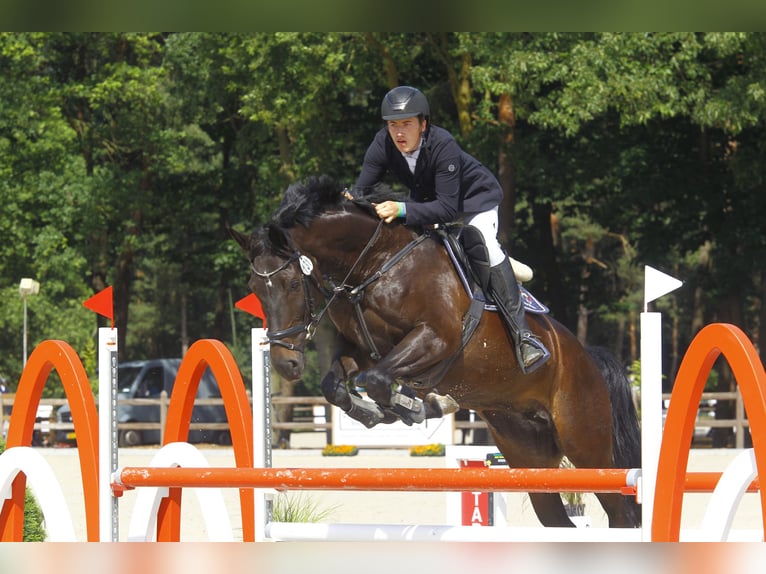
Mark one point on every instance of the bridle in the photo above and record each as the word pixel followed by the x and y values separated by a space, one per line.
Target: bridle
pixel 355 295
pixel 311 318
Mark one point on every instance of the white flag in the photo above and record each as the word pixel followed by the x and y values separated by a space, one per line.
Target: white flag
pixel 657 284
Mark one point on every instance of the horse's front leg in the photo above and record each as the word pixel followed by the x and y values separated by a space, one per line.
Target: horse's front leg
pixel 418 351
pixel 335 388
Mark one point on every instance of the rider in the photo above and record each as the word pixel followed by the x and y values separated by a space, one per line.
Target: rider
pixel 447 184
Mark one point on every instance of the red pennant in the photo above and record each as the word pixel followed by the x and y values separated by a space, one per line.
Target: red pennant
pixel 102 304
pixel 251 304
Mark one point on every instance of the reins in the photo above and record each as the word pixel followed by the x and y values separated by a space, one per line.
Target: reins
pixel 354 295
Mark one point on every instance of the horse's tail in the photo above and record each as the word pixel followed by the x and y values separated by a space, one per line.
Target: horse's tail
pixel 626 433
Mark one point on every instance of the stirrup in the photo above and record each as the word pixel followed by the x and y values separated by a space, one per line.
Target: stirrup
pixel 529 339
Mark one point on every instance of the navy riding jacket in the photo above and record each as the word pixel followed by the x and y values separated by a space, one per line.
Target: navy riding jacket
pixel 447 181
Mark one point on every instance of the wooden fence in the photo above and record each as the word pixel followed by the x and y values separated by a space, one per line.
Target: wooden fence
pixel 307 419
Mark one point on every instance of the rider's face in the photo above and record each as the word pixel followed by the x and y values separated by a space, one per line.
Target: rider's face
pixel 406 133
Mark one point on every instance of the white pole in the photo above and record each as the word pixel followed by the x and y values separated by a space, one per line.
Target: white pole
pixel 261 424
pixel 651 414
pixel 107 432
pixel 656 284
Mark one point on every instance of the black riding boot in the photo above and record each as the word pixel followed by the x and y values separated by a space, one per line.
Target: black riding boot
pixel 530 352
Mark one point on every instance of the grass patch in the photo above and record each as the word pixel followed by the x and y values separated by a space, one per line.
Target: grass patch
pixel 299 507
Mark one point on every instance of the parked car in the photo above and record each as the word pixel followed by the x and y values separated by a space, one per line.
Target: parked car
pixel 147 379
pixel 41 434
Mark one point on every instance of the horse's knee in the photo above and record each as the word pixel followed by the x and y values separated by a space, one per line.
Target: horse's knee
pixel 377 385
pixel 335 391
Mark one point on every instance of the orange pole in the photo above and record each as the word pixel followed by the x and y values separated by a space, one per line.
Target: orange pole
pixel 424 480
pixel 378 479
pixel 711 342
pixel 707 481
pixel 209 353
pixel 60 356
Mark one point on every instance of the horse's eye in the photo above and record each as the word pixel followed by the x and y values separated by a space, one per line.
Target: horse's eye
pixel 294 285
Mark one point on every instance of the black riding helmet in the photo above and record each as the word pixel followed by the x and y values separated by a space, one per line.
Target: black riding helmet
pixel 404 102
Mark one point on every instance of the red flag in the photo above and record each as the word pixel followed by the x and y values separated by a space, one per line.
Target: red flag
pixel 102 304
pixel 251 304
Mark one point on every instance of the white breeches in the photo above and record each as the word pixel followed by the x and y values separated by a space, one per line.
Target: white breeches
pixel 486 223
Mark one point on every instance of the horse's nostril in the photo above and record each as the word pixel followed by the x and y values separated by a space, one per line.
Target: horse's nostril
pixel 289 364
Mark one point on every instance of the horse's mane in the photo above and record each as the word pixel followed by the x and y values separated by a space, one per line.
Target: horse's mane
pixel 303 201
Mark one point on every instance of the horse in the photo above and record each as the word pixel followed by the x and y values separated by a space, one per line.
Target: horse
pixel 400 311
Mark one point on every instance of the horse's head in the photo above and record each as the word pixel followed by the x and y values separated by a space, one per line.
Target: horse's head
pixel 279 280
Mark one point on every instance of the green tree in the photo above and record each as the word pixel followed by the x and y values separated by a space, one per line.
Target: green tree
pixel 42 194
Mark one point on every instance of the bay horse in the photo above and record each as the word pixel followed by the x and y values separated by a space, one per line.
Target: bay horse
pixel 399 308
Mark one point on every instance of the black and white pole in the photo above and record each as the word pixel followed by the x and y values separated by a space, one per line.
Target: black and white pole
pixel 108 438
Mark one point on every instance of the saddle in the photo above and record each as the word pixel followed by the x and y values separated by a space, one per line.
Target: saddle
pixel 454 238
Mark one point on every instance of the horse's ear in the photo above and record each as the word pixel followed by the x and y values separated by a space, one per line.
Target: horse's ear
pixel 277 237
pixel 242 239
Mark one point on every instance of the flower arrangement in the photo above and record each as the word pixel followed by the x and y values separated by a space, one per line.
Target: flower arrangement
pixel 427 450
pixel 340 450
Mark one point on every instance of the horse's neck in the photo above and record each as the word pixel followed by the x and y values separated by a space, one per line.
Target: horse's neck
pixel 337 243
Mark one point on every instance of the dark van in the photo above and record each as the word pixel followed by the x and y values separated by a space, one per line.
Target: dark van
pixel 146 380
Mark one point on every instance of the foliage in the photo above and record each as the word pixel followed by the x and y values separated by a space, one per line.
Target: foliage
pixel 292 507
pixel 126 154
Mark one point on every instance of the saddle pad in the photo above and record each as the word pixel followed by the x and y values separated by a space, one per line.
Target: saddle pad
pixel 531 304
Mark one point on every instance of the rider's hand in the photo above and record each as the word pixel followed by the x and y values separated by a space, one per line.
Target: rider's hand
pixel 388 210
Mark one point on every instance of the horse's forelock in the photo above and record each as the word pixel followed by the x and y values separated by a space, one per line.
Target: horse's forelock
pixel 275 240
pixel 256 244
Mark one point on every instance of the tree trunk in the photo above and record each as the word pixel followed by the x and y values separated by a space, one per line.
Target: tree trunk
pixel 123 283
pixel 459 83
pixel 633 337
pixel 588 254
pixel 619 341
pixel 389 66
pixel 184 325
pixel 761 328
pixel 505 173
pixel 729 311
pixel 545 260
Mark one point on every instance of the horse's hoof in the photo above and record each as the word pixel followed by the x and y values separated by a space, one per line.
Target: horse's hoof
pixel 366 412
pixel 440 405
